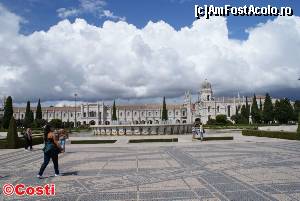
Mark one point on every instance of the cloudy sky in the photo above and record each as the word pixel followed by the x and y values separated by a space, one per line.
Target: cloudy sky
pixel 104 50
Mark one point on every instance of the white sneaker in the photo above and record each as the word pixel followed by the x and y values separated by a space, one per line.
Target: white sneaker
pixel 57 175
pixel 39 176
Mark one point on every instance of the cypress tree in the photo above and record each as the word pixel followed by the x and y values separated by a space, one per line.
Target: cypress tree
pixel 28 116
pixel 12 134
pixel 39 115
pixel 8 112
pixel 283 111
pixel 164 115
pixel 244 114
pixel 255 111
pixel 114 114
pixel 267 112
pixel 296 110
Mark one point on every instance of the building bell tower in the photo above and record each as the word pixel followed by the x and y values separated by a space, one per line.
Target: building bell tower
pixel 205 93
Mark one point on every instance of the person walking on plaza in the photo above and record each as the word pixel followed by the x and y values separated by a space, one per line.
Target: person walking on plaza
pixel 201 131
pixel 51 150
pixel 28 139
pixel 63 135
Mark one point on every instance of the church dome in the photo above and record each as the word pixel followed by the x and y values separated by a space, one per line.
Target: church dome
pixel 206 85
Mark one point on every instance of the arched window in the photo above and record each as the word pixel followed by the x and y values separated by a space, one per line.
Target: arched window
pixel 208 97
pixel 218 108
pixel 208 109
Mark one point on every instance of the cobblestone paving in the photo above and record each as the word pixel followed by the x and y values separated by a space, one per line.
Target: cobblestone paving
pixel 202 171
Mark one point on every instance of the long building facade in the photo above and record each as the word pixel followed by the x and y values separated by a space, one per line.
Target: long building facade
pixel 207 106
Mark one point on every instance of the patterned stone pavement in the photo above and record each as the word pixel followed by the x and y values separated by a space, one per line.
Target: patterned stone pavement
pixel 200 171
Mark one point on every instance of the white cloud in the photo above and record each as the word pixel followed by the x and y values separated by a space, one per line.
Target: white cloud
pixel 119 60
pixel 95 7
pixel 110 15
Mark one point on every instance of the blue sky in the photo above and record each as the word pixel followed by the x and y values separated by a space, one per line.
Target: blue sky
pixel 41 14
pixel 103 57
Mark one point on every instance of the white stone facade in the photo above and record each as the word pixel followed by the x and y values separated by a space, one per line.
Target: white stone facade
pixel 207 106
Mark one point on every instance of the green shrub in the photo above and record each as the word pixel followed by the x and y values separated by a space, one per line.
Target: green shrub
pixel 21 142
pixel 154 140
pixel 93 141
pixel 272 134
pixel 12 135
pixel 216 138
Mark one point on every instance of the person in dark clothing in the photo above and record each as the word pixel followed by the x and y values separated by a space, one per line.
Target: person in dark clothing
pixel 28 139
pixel 49 137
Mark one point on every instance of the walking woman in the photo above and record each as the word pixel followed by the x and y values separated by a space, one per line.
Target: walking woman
pixel 28 139
pixel 51 150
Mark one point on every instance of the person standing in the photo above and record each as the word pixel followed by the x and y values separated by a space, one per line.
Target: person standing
pixel 201 130
pixel 62 138
pixel 28 139
pixel 51 150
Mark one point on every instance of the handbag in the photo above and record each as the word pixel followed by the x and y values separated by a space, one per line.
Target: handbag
pixel 51 149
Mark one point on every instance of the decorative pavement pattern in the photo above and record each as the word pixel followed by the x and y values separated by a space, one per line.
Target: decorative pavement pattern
pixel 202 171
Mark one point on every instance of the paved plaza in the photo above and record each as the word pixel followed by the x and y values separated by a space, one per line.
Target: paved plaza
pixel 248 169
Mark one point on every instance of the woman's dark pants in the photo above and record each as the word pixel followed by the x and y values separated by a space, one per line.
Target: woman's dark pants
pixel 46 161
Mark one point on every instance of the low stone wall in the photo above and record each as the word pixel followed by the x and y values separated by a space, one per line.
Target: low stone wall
pixel 145 129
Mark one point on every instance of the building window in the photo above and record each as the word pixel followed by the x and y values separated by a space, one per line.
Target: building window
pixel 135 113
pixel 208 97
pixel 120 114
pixel 149 113
pixel 142 113
pixel 218 108
pixel 208 109
pixel 71 114
pixel 183 113
pixel 156 113
pixel 84 114
pixel 92 114
pixel 176 113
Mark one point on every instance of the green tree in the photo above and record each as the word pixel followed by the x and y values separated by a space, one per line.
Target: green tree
pixel 267 112
pixel 296 110
pixel 164 115
pixel 39 114
pixel 56 123
pixel 221 119
pixel 28 116
pixel 12 134
pixel 283 111
pixel 114 113
pixel 244 114
pixel 255 114
pixel 8 112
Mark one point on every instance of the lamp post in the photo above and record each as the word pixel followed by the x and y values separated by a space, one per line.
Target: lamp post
pixel 75 125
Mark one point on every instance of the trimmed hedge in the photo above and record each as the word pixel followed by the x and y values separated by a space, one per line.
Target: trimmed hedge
pixel 272 134
pixel 21 143
pixel 235 126
pixel 154 140
pixel 216 138
pixel 93 141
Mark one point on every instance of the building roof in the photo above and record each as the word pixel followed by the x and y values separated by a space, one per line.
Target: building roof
pixel 148 107
pixel 44 109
